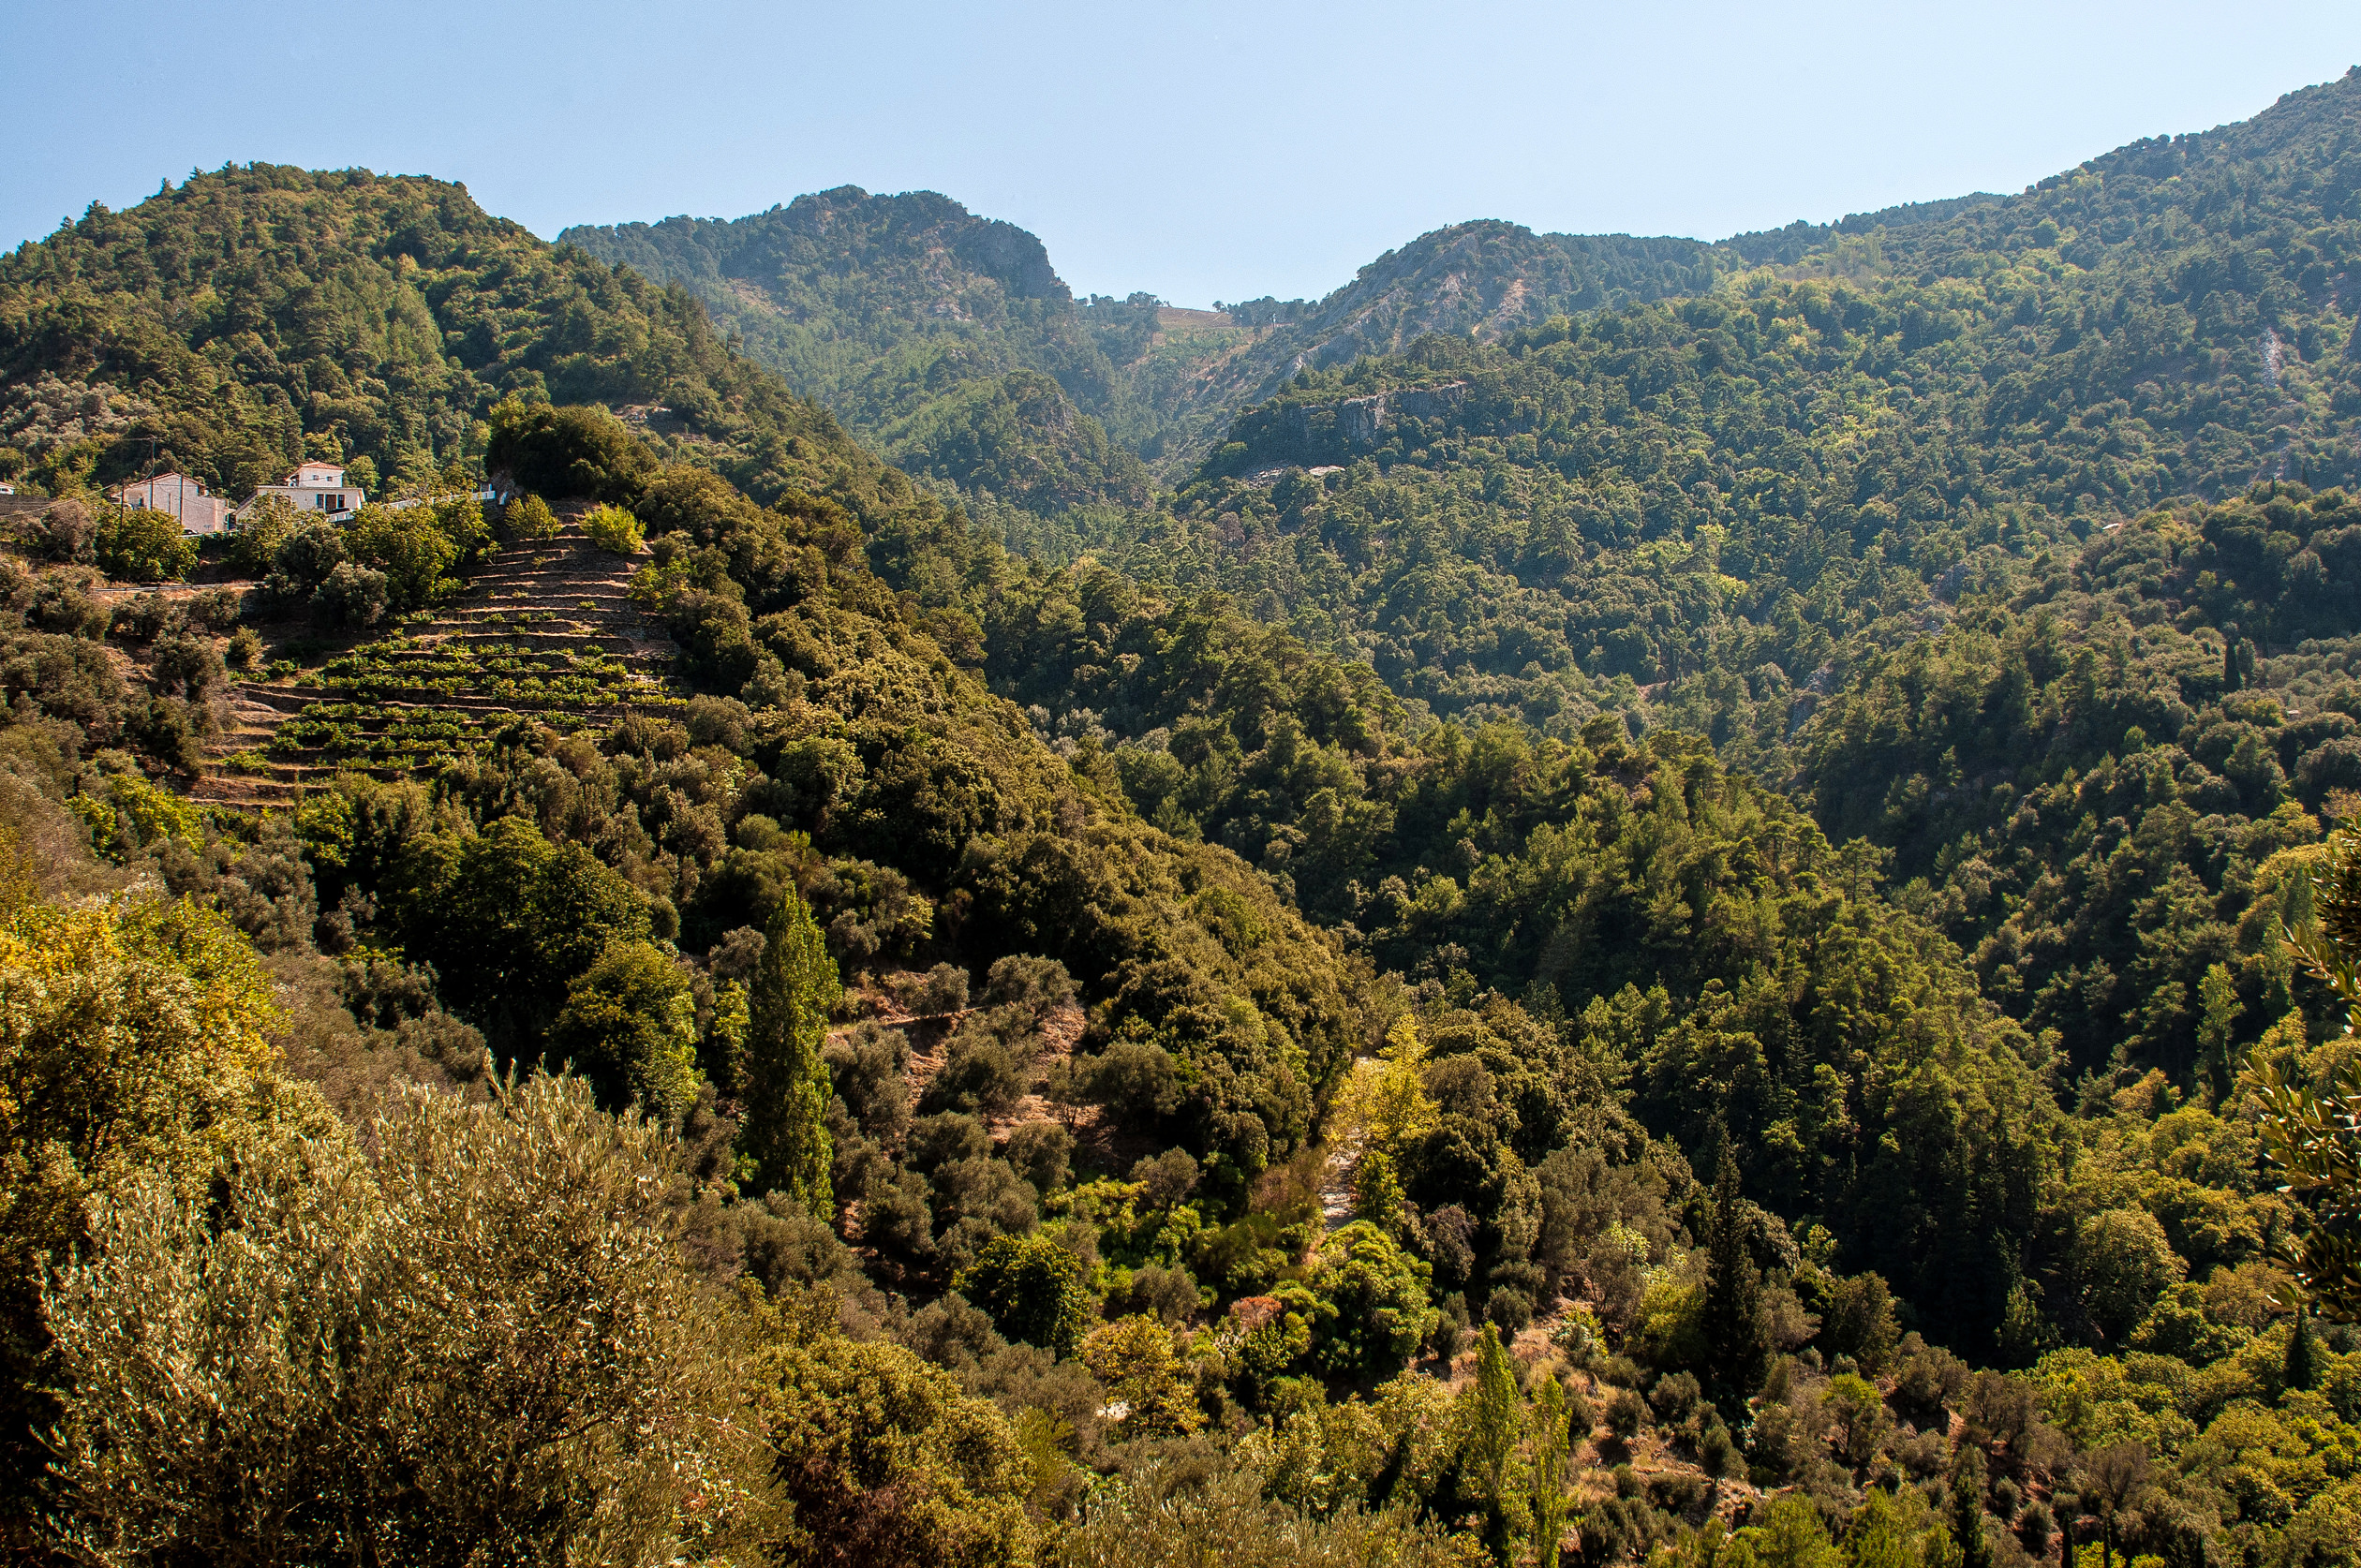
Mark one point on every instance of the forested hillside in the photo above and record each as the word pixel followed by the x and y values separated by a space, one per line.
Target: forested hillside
pixel 1680 931
pixel 249 318
pixel 911 319
pixel 1956 532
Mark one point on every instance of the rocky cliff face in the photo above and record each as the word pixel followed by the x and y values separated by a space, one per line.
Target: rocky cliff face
pixel 1354 425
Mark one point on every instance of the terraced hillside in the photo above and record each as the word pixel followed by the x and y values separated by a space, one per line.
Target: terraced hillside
pixel 545 629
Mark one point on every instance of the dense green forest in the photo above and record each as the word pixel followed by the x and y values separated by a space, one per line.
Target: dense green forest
pixel 1707 927
pixel 916 321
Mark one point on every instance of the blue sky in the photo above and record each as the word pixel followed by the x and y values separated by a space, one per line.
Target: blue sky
pixel 1198 152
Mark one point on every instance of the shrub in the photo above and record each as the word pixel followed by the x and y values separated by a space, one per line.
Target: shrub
pixel 65 531
pixel 1170 1294
pixel 576 450
pixel 1041 1152
pixel 1369 1304
pixel 521 1367
pixel 1675 1396
pixel 351 596
pixel 1133 1358
pixel 1166 1178
pixel 528 518
pixel 944 990
pixel 887 1462
pixel 630 1028
pixel 615 530
pixel 215 609
pixel 1032 1288
pixel 140 618
pixel 144 543
pixel 1717 1452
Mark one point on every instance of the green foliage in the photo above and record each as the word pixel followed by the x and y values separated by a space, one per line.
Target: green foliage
pixel 142 543
pixel 528 518
pixel 1367 1302
pixel 613 530
pixel 396 339
pixel 786 1095
pixel 1789 1536
pixel 136 1046
pixel 1495 1421
pixel 1133 1359
pixel 2301 1367
pixel 1817 765
pixel 1969 1531
pixel 1034 1289
pixel 520 1363
pixel 1548 1471
pixel 510 921
pixel 1163 1521
pixel 1013 393
pixel 410 547
pixel 886 1460
pixel 1732 1318
pixel 629 1026
pixel 580 452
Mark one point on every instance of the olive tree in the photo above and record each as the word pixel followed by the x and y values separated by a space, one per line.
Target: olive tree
pixel 465 1336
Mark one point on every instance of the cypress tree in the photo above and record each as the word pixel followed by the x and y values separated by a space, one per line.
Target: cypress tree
pixel 1551 1453
pixel 786 1099
pixel 1968 1509
pixel 1733 1289
pixel 2301 1370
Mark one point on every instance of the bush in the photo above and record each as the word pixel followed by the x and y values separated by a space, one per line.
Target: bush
pixel 215 609
pixel 1169 1294
pixel 629 1026
pixel 1166 1180
pixel 1626 1414
pixel 408 546
pixel 1675 1396
pixel 1133 1358
pixel 528 518
pixel 1033 1289
pixel 1369 1310
pixel 255 538
pixel 888 1462
pixel 65 532
pixel 144 543
pixel 244 648
pixel 355 598
pixel 615 530
pixel 1716 1454
pixel 1040 1152
pixel 1509 1309
pixel 140 618
pixel 520 1370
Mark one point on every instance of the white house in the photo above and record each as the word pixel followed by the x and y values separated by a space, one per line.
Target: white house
pixel 315 488
pixel 181 496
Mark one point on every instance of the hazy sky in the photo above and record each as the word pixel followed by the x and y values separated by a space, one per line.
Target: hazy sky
pixel 1199 152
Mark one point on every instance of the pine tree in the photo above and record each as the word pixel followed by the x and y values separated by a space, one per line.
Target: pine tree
pixel 1733 1319
pixel 786 1099
pixel 2301 1370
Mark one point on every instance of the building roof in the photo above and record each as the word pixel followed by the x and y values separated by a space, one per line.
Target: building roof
pixel 168 475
